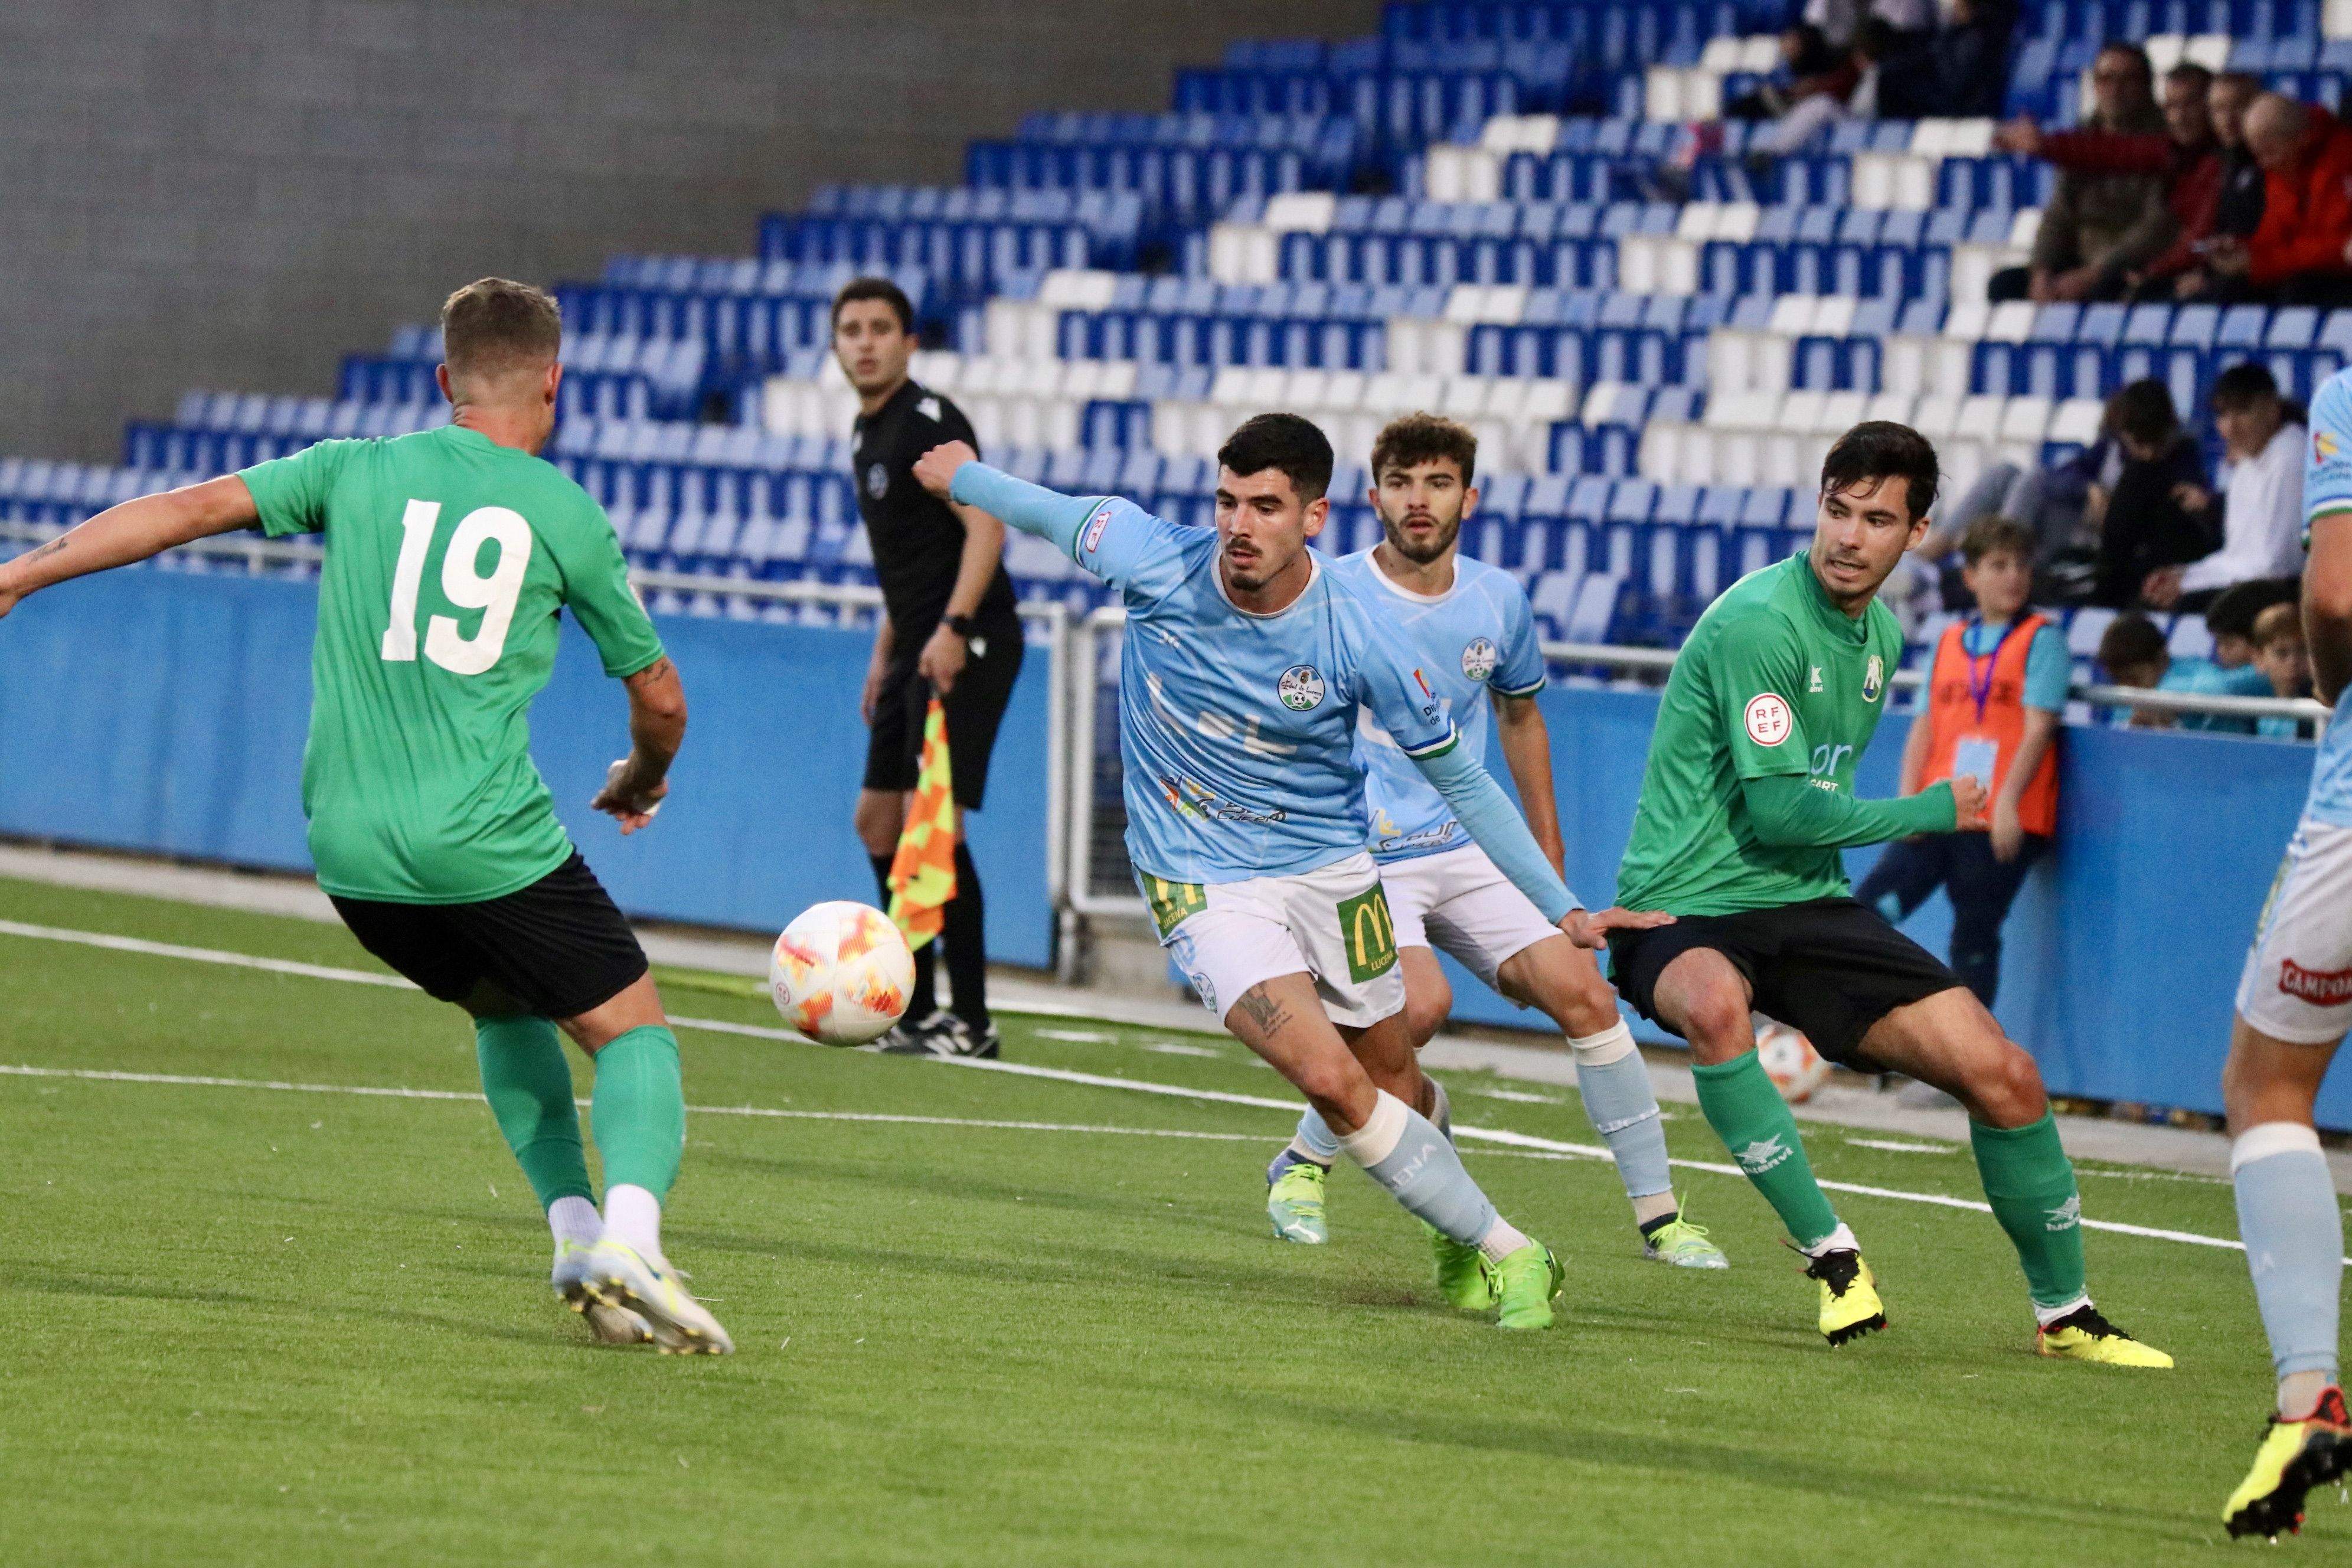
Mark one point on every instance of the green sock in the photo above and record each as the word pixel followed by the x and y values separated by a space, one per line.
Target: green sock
pixel 2029 1182
pixel 529 1085
pixel 1748 1114
pixel 639 1109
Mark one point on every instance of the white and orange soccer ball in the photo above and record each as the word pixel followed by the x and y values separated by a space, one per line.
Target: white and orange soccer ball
pixel 840 973
pixel 1790 1060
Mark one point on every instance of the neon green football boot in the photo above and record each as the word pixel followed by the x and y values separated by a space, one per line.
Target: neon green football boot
pixel 1684 1245
pixel 1463 1273
pixel 1293 1199
pixel 1526 1284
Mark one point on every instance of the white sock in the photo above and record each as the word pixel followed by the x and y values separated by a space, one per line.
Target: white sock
pixel 574 1218
pixel 632 1219
pixel 2045 1316
pixel 1840 1239
pixel 1502 1240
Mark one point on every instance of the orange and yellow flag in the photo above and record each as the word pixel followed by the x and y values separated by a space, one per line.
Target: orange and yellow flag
pixel 922 874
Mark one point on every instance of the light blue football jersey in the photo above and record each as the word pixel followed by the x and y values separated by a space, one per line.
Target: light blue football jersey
pixel 1479 636
pixel 2327 487
pixel 1238 730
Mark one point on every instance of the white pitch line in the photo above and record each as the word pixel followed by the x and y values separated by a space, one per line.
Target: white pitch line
pixel 1523 1141
pixel 193 1080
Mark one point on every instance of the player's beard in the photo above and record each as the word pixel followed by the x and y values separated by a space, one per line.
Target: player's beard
pixel 1448 529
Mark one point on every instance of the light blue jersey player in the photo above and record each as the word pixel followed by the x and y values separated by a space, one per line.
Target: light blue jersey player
pixel 2294 1003
pixel 1473 636
pixel 1246 669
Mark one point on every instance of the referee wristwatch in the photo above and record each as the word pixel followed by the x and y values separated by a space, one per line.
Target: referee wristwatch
pixel 963 627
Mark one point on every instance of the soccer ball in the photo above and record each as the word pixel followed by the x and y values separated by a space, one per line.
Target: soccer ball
pixel 1790 1060
pixel 840 973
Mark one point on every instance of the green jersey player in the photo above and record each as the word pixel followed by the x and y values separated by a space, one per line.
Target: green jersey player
pixel 449 554
pixel 1746 801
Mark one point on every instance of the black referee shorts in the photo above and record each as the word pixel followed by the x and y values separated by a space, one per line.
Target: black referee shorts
pixel 1829 968
pixel 894 747
pixel 558 948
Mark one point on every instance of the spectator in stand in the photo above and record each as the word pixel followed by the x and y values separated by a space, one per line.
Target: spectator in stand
pixel 2134 653
pixel 2301 253
pixel 2186 157
pixel 1809 64
pixel 2158 514
pixel 1873 40
pixel 2234 612
pixel 2099 227
pixel 1839 21
pixel 1960 68
pixel 2240 211
pixel 2285 662
pixel 2262 508
pixel 1994 696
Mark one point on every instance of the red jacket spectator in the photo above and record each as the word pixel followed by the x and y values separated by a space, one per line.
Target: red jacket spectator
pixel 2307 206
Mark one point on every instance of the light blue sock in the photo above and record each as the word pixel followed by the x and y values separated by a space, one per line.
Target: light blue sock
pixel 1314 1140
pixel 1616 1083
pixel 1404 1151
pixel 2294 1233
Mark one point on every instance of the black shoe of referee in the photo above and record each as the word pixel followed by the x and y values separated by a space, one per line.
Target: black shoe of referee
pixel 941 1035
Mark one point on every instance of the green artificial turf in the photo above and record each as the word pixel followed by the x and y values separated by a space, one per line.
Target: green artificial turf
pixel 258 1326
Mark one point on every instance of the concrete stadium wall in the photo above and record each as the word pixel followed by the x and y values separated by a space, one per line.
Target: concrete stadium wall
pixel 234 193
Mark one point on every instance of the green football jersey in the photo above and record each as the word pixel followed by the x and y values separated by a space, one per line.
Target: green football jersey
pixel 1775 680
pixel 448 558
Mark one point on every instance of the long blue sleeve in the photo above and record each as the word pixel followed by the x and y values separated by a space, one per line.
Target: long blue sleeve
pixel 1017 504
pixel 1496 827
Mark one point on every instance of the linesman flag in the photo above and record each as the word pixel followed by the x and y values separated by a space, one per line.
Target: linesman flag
pixel 922 874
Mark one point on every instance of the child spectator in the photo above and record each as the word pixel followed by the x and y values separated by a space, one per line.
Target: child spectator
pixel 2134 653
pixel 1994 696
pixel 2280 655
pixel 2261 511
pixel 2232 615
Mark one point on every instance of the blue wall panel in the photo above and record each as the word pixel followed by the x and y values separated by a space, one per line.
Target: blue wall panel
pixel 160 712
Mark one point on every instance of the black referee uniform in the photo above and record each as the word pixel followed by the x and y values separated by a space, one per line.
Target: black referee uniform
pixel 917 550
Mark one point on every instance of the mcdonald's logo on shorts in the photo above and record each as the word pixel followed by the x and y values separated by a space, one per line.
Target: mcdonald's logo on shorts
pixel 1370 934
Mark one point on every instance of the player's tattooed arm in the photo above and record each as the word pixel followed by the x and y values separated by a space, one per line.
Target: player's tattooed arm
pixel 635 786
pixel 133 530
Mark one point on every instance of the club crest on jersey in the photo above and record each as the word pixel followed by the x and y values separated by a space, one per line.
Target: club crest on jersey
pixel 1478 661
pixel 1301 688
pixel 877 481
pixel 1873 678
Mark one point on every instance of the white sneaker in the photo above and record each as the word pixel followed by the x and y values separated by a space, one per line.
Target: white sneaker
pixel 610 1325
pixel 617 1277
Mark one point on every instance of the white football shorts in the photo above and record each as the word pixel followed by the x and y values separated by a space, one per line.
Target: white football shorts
pixel 1331 924
pixel 2297 985
pixel 1460 903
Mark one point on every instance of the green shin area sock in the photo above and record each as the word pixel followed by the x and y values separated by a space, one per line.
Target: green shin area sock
pixel 639 1109
pixel 529 1085
pixel 1748 1114
pixel 2029 1182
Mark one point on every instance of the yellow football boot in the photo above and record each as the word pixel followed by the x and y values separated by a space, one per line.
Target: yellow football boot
pixel 1850 1304
pixel 2295 1456
pixel 2084 1335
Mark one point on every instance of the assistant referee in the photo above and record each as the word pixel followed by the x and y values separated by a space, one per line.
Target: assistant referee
pixel 949 627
